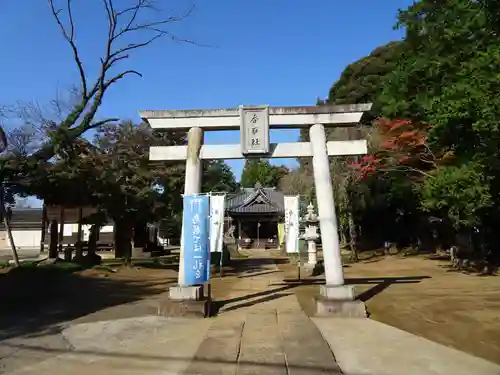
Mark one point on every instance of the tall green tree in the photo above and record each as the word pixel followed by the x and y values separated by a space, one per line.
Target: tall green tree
pixel 114 173
pixel 218 177
pixel 448 76
pixel 130 188
pixel 297 182
pixel 363 80
pixel 261 171
pixel 457 193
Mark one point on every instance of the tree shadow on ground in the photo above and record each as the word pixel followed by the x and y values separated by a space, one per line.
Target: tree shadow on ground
pixel 157 265
pixel 380 283
pixel 439 257
pixel 256 267
pixel 246 302
pixel 257 272
pixel 145 362
pixel 36 299
pixel 251 299
pixel 470 266
pixel 167 263
pixel 373 260
pixel 251 266
pixel 476 270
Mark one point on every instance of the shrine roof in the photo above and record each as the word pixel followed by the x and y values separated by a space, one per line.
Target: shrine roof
pixel 256 200
pixel 25 218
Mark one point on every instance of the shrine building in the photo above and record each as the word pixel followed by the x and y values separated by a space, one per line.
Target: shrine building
pixel 257 215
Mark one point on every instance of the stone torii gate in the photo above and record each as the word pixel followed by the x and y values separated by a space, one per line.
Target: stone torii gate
pixel 254 123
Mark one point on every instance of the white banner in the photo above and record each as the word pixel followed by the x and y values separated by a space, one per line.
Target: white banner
pixel 67 230
pixel 292 224
pixel 216 223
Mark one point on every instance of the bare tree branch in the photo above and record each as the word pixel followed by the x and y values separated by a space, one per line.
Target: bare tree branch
pixel 3 110
pixel 103 122
pixel 142 23
pixel 44 119
pixel 121 23
pixel 404 169
pixel 21 141
pixel 70 38
pixel 127 17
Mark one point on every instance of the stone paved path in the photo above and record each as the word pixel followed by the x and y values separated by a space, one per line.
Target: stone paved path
pixel 368 347
pixel 265 334
pixel 148 345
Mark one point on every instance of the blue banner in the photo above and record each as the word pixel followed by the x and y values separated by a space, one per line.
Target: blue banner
pixel 195 222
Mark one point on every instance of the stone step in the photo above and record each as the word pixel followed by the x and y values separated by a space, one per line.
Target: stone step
pixel 263 342
pixel 261 347
pixel 219 350
pixel 306 351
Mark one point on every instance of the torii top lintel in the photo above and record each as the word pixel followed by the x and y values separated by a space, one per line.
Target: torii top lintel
pixel 279 117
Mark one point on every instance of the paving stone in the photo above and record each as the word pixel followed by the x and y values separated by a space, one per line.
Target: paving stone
pixel 261 347
pixel 219 351
pixel 365 346
pixel 307 353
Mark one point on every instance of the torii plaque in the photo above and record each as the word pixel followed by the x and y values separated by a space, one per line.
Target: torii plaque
pixel 264 117
pixel 254 130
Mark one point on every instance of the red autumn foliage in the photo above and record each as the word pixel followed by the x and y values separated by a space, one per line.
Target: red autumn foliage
pixel 403 146
pixel 404 159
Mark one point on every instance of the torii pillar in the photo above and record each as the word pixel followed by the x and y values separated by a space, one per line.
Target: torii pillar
pixel 335 297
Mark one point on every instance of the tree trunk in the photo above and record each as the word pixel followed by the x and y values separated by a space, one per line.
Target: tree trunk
pixel 352 235
pixel 53 253
pixel 94 234
pixel 61 235
pixel 123 240
pixel 43 229
pixel 351 226
pixel 92 257
pixel 79 243
pixel 6 224
pixel 343 229
pixel 352 133
pixel 343 237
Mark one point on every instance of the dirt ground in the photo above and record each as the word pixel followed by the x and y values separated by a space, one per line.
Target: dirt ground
pixel 37 302
pixel 426 298
pixel 33 299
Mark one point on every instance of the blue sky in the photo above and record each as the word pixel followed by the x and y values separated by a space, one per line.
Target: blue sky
pixel 276 52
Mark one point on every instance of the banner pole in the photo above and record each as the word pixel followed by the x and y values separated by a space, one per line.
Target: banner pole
pixel 221 250
pixel 221 271
pixel 216 225
pixel 298 238
pixel 209 285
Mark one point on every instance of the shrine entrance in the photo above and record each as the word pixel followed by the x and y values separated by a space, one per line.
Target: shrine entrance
pixel 255 214
pixel 254 123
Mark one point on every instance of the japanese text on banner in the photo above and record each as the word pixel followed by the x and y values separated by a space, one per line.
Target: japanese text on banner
pixel 291 224
pixel 196 252
pixel 216 223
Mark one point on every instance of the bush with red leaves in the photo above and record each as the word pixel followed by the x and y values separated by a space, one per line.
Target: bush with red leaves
pixel 402 147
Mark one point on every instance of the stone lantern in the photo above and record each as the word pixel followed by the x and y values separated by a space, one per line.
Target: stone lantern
pixel 311 234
